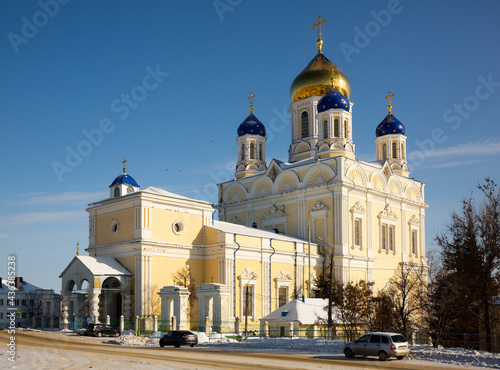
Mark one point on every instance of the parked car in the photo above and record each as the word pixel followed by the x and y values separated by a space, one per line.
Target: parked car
pixel 178 338
pixel 383 345
pixel 100 330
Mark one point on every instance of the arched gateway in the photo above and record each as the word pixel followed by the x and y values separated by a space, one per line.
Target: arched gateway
pixel 95 287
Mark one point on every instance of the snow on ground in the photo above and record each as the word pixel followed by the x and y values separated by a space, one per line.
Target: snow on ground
pixel 421 355
pixel 418 355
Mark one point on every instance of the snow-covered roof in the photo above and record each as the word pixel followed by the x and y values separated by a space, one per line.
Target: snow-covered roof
pixel 100 266
pixel 158 191
pixel 24 287
pixel 152 190
pixel 231 228
pixel 307 313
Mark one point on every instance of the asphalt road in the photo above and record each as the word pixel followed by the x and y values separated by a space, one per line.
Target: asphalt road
pixel 56 344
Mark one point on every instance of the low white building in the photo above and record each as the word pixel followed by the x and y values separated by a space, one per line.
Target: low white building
pixel 305 317
pixel 27 302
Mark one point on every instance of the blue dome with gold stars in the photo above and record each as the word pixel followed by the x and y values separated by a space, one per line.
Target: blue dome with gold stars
pixel 390 125
pixel 333 99
pixel 251 126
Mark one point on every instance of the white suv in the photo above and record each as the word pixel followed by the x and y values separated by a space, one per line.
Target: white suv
pixel 383 345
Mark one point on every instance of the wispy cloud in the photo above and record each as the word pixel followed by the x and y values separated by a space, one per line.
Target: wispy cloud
pixel 68 198
pixel 42 217
pixel 454 164
pixel 483 147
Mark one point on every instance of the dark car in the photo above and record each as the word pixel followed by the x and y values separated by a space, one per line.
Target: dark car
pixel 178 338
pixel 101 330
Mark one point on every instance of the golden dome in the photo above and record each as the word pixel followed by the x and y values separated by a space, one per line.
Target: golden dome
pixel 315 79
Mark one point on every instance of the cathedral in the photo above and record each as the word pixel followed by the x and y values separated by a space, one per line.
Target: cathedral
pixel 281 224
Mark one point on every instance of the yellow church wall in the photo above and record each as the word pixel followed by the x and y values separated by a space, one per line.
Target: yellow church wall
pixel 248 241
pixel 211 236
pixel 125 230
pixel 162 269
pixel 211 271
pixel 163 221
pixel 358 274
pixel 283 245
pixel 128 262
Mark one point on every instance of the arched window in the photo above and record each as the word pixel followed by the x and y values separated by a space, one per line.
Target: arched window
pixel 384 151
pixel 336 128
pixel 260 152
pixel 305 124
pixel 117 192
pixel 325 129
pixel 394 152
pixel 242 151
pixel 252 151
pixel 345 128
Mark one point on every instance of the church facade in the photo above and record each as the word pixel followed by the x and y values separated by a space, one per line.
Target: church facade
pixel 280 224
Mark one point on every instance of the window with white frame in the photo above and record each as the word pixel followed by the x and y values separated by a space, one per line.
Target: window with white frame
pixel 357 232
pixel 247 300
pixel 282 296
pixel 414 242
pixel 413 224
pixel 283 282
pixel 357 212
pixel 387 219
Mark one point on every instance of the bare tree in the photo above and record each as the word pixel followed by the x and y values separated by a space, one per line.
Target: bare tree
pixel 407 294
pixel 184 277
pixel 32 301
pixel 155 300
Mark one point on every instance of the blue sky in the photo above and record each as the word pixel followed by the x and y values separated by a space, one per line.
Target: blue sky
pixel 67 71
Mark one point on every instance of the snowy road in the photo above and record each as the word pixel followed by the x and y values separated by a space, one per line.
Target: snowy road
pixel 62 350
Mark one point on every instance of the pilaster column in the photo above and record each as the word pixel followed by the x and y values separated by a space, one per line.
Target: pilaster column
pixel 63 325
pixel 94 305
pixel 127 304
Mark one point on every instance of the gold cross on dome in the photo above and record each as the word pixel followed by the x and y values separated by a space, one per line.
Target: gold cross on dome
pixel 251 96
pixel 320 22
pixel 124 161
pixel 77 248
pixel 319 42
pixel 389 98
pixel 332 79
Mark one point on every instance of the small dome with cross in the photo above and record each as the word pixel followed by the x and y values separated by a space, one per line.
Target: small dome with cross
pixel 251 126
pixel 390 125
pixel 123 184
pixel 333 99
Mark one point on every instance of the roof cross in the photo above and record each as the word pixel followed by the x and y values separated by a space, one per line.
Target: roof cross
pixel 124 161
pixel 319 42
pixel 77 248
pixel 389 99
pixel 251 96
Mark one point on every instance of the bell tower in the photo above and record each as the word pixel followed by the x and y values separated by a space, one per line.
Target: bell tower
pixel 251 145
pixel 391 142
